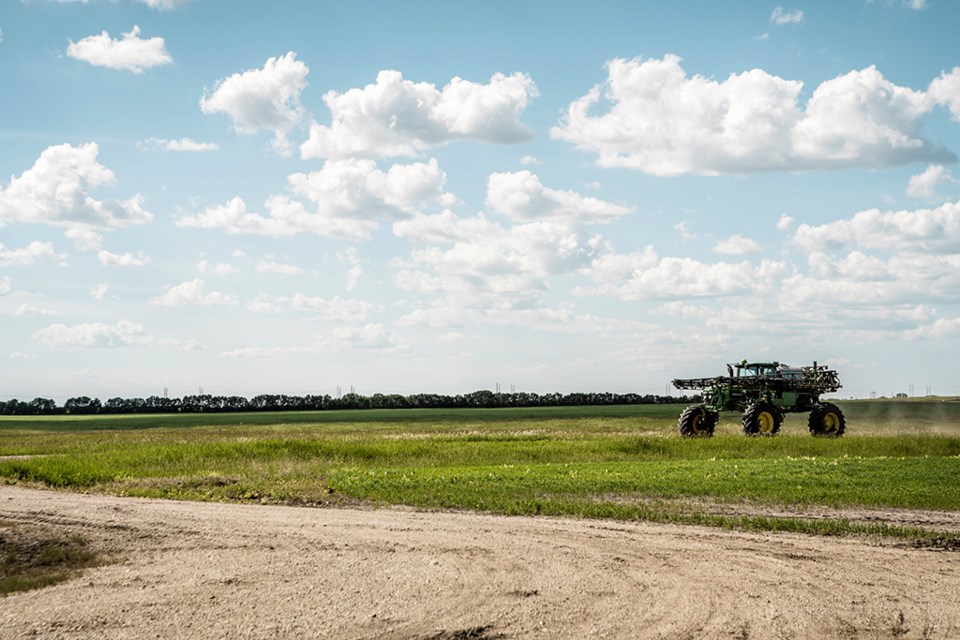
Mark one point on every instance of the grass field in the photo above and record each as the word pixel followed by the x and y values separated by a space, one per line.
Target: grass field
pixel 619 462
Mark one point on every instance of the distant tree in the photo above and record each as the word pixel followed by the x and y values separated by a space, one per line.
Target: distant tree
pixel 82 405
pixel 14 407
pixel 281 402
pixel 117 405
pixel 43 407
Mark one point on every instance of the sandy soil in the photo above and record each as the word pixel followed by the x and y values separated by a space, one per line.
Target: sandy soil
pixel 192 570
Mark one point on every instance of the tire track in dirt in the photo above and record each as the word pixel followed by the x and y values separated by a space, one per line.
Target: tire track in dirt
pixel 199 570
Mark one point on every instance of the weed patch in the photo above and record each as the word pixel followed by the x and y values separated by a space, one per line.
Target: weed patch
pixel 31 558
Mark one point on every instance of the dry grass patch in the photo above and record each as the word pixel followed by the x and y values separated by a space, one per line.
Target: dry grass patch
pixel 32 557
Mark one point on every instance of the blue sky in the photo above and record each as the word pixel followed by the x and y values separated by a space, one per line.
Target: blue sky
pixel 291 197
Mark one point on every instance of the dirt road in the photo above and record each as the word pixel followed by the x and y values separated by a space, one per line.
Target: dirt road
pixel 193 570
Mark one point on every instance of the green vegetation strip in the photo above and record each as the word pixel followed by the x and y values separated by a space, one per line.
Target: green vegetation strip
pixel 624 463
pixel 926 483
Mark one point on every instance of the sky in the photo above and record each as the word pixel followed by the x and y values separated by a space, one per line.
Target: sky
pixel 247 197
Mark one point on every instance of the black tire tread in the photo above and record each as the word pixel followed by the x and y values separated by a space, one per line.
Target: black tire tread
pixel 707 424
pixel 750 420
pixel 820 410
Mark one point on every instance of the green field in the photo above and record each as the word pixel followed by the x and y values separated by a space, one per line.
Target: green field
pixel 623 462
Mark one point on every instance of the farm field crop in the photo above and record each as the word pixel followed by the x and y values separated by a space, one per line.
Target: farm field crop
pixel 624 462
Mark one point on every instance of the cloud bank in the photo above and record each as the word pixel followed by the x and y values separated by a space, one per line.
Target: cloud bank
pixel 660 121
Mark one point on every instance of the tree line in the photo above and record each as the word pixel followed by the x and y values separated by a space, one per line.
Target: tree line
pixel 203 403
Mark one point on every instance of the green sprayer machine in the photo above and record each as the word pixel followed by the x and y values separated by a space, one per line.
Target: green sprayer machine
pixel 763 392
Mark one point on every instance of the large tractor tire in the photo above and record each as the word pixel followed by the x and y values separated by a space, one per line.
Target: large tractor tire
pixel 762 419
pixel 827 420
pixel 697 422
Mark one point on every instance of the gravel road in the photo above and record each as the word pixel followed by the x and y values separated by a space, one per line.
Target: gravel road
pixel 196 570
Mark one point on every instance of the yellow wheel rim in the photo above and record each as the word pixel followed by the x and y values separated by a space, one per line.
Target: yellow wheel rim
pixel 765 422
pixel 831 422
pixel 695 424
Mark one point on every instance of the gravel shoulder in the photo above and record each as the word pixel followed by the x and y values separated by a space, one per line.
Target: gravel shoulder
pixel 200 570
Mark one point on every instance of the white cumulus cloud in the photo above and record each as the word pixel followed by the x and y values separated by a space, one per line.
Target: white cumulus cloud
pixel 737 245
pixel 29 254
pixel 939 329
pixel 522 197
pixel 345 198
pixel 485 265
pixel 445 228
pixel 125 259
pixel 839 283
pixel 165 5
pixel 84 238
pixel 219 269
pixel 269 353
pixel 398 117
pixel 191 292
pixel 183 144
pixel 862 114
pixel 272 266
pixel 882 262
pixel 336 308
pixel 945 90
pixel 30 310
pixel 683 229
pixel 95 334
pixel 350 258
pixel 369 336
pixel 660 121
pixel 353 277
pixel 781 16
pixel 924 185
pixel 932 231
pixel 6 285
pixel 643 275
pixel 56 190
pixel 129 53
pixel 264 304
pixel 266 99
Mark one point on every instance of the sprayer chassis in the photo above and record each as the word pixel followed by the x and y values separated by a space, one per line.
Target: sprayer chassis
pixel 763 392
